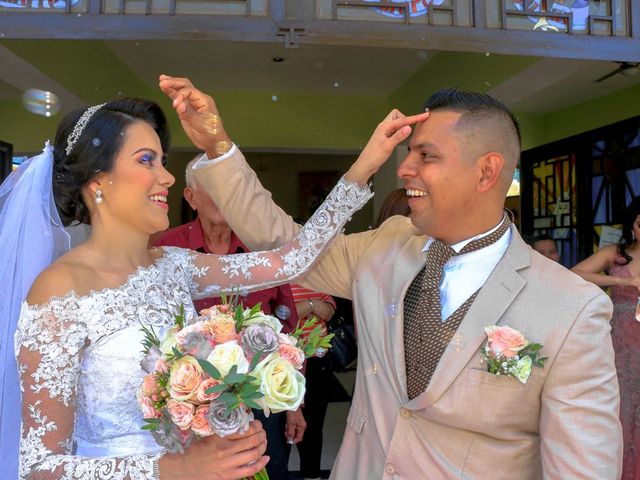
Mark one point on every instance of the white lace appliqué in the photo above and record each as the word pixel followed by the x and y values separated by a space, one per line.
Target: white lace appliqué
pixel 87 351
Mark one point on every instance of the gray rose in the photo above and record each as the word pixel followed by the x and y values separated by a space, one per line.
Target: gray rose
pixel 258 338
pixel 224 422
pixel 194 343
pixel 173 439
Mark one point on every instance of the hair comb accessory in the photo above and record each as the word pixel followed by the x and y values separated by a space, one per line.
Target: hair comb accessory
pixel 80 125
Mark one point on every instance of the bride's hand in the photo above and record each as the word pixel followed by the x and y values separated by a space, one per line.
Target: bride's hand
pixel 215 458
pixel 198 115
pixel 394 129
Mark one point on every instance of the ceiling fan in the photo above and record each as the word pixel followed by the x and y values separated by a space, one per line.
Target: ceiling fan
pixel 627 69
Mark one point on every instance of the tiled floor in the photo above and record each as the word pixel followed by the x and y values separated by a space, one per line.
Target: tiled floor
pixel 334 426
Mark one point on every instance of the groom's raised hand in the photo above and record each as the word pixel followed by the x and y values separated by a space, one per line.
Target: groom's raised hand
pixel 394 129
pixel 198 115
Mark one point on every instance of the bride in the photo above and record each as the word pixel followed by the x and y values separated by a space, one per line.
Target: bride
pixel 78 338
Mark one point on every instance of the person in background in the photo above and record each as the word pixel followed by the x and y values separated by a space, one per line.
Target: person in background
pixel 209 233
pixel 545 245
pixel 311 304
pixel 618 267
pixel 396 203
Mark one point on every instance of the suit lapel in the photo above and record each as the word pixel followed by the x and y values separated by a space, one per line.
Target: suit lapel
pixel 494 298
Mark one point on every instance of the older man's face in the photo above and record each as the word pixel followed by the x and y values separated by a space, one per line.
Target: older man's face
pixel 202 203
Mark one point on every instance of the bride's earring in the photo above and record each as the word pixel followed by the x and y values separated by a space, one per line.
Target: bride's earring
pixel 99 199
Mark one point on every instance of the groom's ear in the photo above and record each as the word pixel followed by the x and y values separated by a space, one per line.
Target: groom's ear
pixel 490 167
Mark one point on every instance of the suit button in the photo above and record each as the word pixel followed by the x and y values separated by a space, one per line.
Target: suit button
pixel 390 468
pixel 404 413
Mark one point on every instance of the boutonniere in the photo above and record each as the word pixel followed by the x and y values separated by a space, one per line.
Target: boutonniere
pixel 507 352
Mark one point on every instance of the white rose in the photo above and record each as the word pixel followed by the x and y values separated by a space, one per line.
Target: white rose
pixel 226 355
pixel 260 317
pixel 281 384
pixel 169 341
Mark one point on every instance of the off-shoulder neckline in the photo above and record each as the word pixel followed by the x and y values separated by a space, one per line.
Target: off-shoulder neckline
pixel 71 294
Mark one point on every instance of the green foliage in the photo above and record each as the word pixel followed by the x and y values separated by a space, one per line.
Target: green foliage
pixel 150 339
pixel 152 424
pixel 179 319
pixel 212 371
pixel 314 339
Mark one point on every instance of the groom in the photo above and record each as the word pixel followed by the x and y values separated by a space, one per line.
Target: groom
pixel 424 404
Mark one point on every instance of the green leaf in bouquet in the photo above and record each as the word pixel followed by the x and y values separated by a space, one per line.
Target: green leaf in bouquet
pixel 253 312
pixel 252 395
pixel 251 404
pixel 179 319
pixel 152 424
pixel 230 400
pixel 216 388
pixel 239 317
pixel 249 388
pixel 325 342
pixel 233 377
pixel 255 360
pixel 212 371
pixel 150 339
pixel 175 354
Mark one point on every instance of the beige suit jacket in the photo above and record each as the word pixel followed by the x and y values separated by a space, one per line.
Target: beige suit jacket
pixel 468 424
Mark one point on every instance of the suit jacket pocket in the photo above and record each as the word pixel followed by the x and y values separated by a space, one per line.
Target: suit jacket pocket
pixel 482 377
pixel 355 420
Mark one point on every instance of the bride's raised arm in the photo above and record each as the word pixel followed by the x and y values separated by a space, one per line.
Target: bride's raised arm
pixel 215 274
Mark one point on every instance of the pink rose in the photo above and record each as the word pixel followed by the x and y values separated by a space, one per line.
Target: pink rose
pixel 185 377
pixel 505 341
pixel 292 354
pixel 223 328
pixel 200 422
pixel 203 397
pixel 148 409
pixel 223 308
pixel 149 385
pixel 181 413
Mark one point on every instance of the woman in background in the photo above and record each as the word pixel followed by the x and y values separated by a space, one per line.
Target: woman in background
pixel 618 267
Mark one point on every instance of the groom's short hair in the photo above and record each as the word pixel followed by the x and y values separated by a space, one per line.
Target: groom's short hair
pixel 485 125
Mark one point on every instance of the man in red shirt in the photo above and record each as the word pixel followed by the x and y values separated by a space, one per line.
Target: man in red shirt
pixel 209 233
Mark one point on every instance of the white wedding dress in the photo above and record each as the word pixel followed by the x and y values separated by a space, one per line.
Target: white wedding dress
pixel 79 355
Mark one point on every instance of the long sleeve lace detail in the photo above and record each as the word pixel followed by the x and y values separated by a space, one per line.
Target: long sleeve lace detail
pixel 78 358
pixel 215 274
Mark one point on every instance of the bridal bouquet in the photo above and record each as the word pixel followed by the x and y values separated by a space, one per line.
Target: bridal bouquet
pixel 205 375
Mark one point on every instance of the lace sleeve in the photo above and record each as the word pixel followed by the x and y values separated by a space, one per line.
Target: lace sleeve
pixel 50 343
pixel 213 274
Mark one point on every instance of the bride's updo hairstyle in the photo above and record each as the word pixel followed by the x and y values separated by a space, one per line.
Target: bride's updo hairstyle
pixel 95 149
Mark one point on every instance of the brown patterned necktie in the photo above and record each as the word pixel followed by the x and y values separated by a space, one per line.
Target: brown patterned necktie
pixel 426 336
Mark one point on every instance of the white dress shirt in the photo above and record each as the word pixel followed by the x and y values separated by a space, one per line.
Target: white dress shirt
pixel 466 273
pixel 204 160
